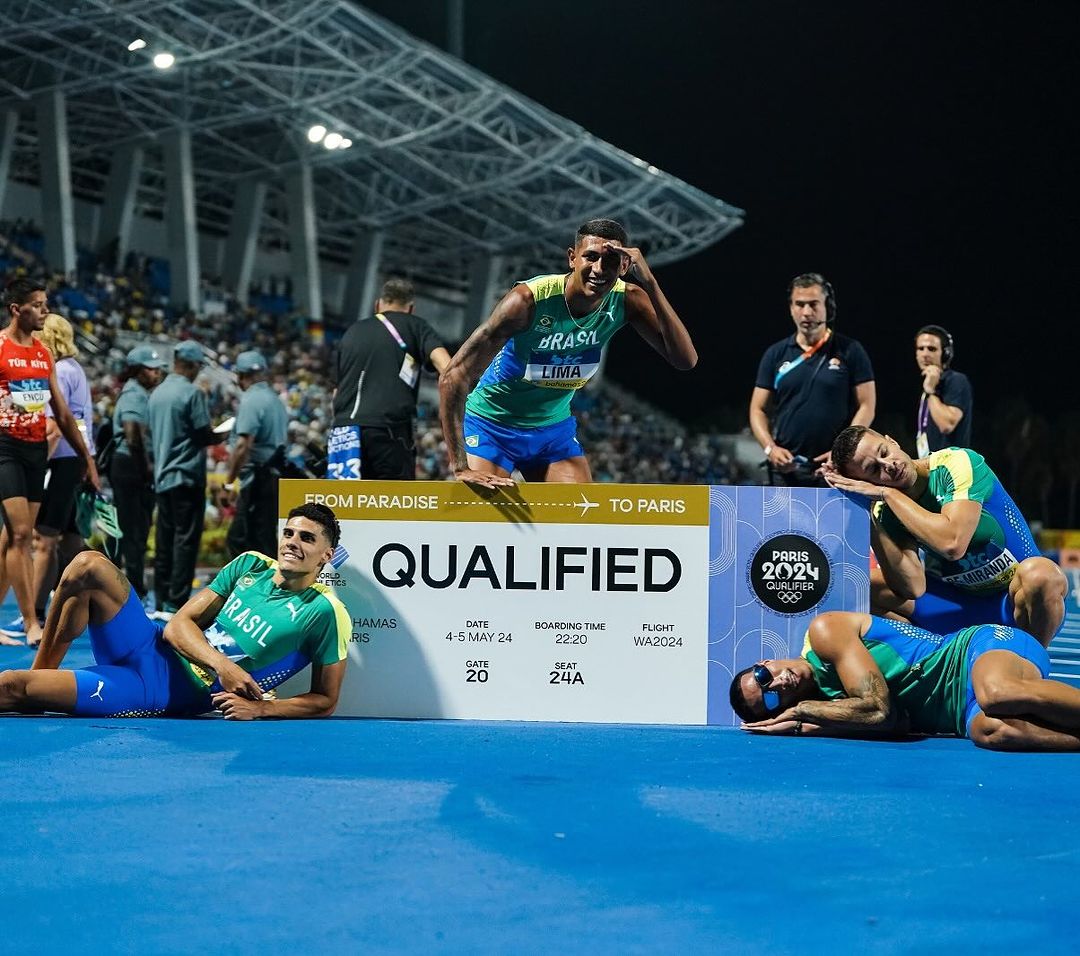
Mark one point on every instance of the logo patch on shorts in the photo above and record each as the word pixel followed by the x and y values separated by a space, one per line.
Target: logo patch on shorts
pixel 473 441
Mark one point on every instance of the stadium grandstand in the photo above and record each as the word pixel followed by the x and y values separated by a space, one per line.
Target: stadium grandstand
pixel 243 175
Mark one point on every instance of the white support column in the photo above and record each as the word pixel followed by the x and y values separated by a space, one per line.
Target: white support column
pixel 9 123
pixel 118 207
pixel 56 201
pixel 303 242
pixel 180 220
pixel 361 285
pixel 243 237
pixel 483 278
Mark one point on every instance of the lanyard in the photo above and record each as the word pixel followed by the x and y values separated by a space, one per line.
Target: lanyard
pixel 390 328
pixel 924 415
pixel 807 354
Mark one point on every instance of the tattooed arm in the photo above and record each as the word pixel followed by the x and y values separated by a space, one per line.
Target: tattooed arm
pixel 867 710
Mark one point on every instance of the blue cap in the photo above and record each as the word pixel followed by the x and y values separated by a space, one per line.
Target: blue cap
pixel 146 356
pixel 190 352
pixel 251 361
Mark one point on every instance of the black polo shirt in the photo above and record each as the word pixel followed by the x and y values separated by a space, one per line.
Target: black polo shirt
pixel 812 401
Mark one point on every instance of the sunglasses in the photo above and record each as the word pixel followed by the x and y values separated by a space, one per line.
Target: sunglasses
pixel 763 678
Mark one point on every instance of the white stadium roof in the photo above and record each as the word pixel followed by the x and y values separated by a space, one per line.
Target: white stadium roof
pixel 450 164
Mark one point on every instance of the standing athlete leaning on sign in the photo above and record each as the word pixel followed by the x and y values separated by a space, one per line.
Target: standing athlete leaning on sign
pixel 27 384
pixel 543 342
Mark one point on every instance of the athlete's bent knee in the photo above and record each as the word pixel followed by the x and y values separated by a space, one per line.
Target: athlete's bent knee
pixel 12 690
pixel 1001 696
pixel 991 733
pixel 1042 576
pixel 85 570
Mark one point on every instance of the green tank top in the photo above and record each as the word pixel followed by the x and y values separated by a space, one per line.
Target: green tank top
pixel 532 380
pixel 926 675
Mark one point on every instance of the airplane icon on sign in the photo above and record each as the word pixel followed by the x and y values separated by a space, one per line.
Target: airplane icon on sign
pixel 585 505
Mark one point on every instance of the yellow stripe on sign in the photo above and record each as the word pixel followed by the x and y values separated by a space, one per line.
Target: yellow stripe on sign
pixel 535 503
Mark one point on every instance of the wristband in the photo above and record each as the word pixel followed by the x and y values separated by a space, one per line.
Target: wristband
pixel 929 394
pixel 767 450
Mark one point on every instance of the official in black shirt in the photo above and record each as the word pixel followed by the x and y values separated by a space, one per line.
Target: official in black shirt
pixel 944 416
pixel 378 377
pixel 809 387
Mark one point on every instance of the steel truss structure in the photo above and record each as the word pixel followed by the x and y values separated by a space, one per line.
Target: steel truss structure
pixel 450 165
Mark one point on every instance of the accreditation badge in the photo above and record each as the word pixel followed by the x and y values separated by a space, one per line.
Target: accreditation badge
pixel 410 370
pixel 922 445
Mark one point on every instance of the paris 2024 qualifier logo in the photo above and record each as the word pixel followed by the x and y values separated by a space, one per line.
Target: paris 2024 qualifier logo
pixel 789 574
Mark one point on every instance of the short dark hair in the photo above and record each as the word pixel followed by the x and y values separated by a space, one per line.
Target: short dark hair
pixel 398 289
pixel 807 279
pixel 19 290
pixel 321 515
pixel 843 449
pixel 741 705
pixel 738 700
pixel 603 229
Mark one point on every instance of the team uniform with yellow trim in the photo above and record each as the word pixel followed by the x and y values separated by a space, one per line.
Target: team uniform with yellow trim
pixel 270 632
pixel 929 675
pixel 975 587
pixel 519 412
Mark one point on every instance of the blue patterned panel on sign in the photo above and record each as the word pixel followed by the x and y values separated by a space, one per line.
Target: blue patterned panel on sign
pixel 778 557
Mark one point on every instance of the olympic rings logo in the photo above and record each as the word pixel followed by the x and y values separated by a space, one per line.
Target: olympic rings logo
pixel 789 597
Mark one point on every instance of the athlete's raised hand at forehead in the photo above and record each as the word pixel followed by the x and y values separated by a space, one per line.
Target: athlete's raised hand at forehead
pixel 634 265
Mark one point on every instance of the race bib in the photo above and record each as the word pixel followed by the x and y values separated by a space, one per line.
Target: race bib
pixel 29 395
pixel 553 370
pixel 343 453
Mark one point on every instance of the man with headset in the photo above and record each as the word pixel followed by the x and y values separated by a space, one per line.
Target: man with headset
pixel 809 386
pixel 944 417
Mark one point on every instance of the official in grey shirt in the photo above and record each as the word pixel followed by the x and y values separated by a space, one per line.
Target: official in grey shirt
pixel 180 431
pixel 259 436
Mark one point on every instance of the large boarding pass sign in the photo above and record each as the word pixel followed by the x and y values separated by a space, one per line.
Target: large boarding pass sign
pixel 603 602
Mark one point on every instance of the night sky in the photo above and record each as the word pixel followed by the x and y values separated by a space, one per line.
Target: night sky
pixel 921 155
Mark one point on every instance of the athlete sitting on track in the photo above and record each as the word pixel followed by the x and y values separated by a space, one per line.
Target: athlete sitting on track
pixel 980 563
pixel 862 676
pixel 259 622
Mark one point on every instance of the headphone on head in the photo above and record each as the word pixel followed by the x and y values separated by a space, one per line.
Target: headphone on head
pixel 947 347
pixel 807 279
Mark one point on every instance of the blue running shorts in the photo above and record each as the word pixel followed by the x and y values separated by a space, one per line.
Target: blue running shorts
pixel 999 638
pixel 511 448
pixel 136 674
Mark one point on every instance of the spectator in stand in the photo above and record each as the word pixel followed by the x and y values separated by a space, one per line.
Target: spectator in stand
pixel 132 472
pixel 180 432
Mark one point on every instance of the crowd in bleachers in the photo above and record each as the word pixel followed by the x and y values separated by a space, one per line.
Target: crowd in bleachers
pixel 113 310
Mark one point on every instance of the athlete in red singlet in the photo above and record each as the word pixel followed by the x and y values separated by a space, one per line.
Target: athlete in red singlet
pixel 27 383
